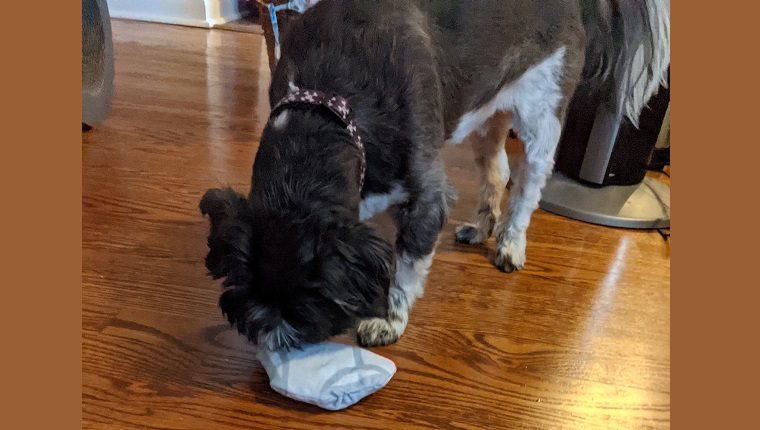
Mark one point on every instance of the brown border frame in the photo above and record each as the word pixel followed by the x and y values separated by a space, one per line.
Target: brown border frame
pixel 42 174
pixel 715 223
pixel 714 110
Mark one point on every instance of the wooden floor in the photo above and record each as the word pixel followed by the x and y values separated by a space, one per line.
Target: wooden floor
pixel 580 339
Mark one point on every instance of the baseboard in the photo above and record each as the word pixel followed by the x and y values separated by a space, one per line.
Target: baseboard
pixel 220 12
pixel 226 19
pixel 196 13
pixel 228 11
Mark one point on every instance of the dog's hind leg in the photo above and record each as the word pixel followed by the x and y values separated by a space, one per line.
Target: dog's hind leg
pixel 540 137
pixel 539 114
pixel 491 159
pixel 537 100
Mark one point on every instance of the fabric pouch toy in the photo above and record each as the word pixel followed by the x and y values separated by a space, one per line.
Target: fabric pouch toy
pixel 332 376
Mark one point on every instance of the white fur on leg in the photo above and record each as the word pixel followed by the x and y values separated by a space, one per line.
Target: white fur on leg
pixel 409 285
pixel 541 139
pixel 411 274
pixel 375 203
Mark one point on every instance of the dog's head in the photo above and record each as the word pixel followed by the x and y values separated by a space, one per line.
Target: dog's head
pixel 294 280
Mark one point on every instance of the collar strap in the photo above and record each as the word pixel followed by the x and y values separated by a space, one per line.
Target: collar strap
pixel 335 104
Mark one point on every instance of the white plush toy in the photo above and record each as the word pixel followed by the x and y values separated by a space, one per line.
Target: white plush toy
pixel 332 376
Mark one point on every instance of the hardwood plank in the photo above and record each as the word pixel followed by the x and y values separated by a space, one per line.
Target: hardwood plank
pixel 580 339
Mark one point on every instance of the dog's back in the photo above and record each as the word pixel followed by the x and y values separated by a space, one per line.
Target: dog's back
pixel 486 44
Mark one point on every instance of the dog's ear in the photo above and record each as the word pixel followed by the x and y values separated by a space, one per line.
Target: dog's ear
pixel 229 237
pixel 369 264
pixel 221 205
pixel 379 265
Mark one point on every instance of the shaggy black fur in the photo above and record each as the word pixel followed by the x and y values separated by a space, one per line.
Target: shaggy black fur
pixel 316 274
pixel 298 264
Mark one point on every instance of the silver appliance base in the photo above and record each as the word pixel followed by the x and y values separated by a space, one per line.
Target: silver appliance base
pixel 643 206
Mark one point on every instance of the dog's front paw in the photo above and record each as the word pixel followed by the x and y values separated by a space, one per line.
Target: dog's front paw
pixel 376 332
pixel 509 257
pixel 471 234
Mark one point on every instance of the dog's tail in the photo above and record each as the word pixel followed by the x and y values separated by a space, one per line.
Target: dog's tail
pixel 628 47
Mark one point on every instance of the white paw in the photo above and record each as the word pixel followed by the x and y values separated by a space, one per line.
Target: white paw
pixel 510 256
pixel 377 332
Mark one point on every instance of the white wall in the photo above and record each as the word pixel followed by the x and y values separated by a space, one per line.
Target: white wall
pixel 198 13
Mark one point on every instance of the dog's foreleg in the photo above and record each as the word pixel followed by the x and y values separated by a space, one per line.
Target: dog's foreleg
pixel 408 286
pixel 419 222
